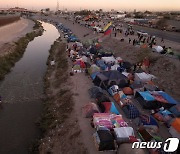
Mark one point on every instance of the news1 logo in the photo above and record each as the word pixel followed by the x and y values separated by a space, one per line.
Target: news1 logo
pixel 170 145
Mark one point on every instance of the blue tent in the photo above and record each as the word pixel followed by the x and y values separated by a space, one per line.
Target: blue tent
pixel 93 75
pixel 147 96
pixel 101 64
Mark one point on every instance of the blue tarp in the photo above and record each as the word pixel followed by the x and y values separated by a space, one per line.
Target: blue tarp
pixel 168 98
pixel 101 64
pixel 93 75
pixel 147 96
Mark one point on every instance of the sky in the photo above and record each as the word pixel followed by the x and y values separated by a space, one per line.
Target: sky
pixel 128 5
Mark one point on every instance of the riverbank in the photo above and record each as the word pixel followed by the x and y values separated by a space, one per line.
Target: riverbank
pixel 4 20
pixel 9 58
pixel 59 123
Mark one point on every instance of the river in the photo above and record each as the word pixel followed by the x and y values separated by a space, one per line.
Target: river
pixel 22 93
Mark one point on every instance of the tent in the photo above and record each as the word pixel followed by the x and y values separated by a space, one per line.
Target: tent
pixel 110 107
pixel 101 97
pixel 143 77
pixel 109 59
pixel 158 49
pixel 101 81
pixel 175 110
pixel 94 91
pixel 101 64
pixel 94 68
pixel 104 139
pixel 130 111
pixel 93 75
pixel 123 134
pixel 163 99
pixel 90 109
pixel 116 77
pixel 175 128
pixel 115 67
pixel 146 100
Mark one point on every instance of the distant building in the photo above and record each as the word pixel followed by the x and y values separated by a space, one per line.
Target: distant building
pixel 16 10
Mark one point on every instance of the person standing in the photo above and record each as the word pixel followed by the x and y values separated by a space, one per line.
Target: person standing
pixel 162 40
pixel 134 42
pixel 129 40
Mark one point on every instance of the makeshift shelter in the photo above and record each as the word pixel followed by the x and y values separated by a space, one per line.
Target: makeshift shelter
pixel 101 64
pixel 93 75
pixel 101 81
pixel 163 99
pixel 94 91
pixel 93 50
pixel 175 128
pixel 90 109
pixel 110 107
pixel 115 67
pixel 124 134
pixel 114 77
pixel 101 97
pixel 143 77
pixel 109 59
pixel 158 49
pixel 175 110
pixel 130 111
pixel 104 139
pixel 94 68
pixel 146 100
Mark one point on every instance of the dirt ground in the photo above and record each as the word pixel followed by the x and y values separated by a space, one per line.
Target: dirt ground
pixel 12 32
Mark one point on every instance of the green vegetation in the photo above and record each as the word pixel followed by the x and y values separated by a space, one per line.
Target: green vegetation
pixel 8 60
pixel 59 101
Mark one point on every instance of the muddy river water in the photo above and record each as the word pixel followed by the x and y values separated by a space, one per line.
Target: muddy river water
pixel 22 92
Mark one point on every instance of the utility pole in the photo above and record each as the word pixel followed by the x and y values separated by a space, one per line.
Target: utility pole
pixel 57 7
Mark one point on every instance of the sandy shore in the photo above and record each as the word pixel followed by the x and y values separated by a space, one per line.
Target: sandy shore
pixel 14 31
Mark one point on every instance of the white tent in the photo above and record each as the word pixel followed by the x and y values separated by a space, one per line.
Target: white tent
pixel 144 77
pixel 109 59
pixel 123 132
pixel 157 49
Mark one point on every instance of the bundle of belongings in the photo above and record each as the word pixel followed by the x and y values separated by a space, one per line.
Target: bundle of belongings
pixel 90 109
pixel 108 107
pixel 124 135
pixel 104 139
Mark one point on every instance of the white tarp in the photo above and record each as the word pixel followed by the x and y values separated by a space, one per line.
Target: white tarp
pixel 157 49
pixel 144 77
pixel 109 59
pixel 124 132
pixel 114 67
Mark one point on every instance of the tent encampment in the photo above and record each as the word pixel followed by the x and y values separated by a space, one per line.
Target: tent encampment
pixel 110 107
pixel 130 111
